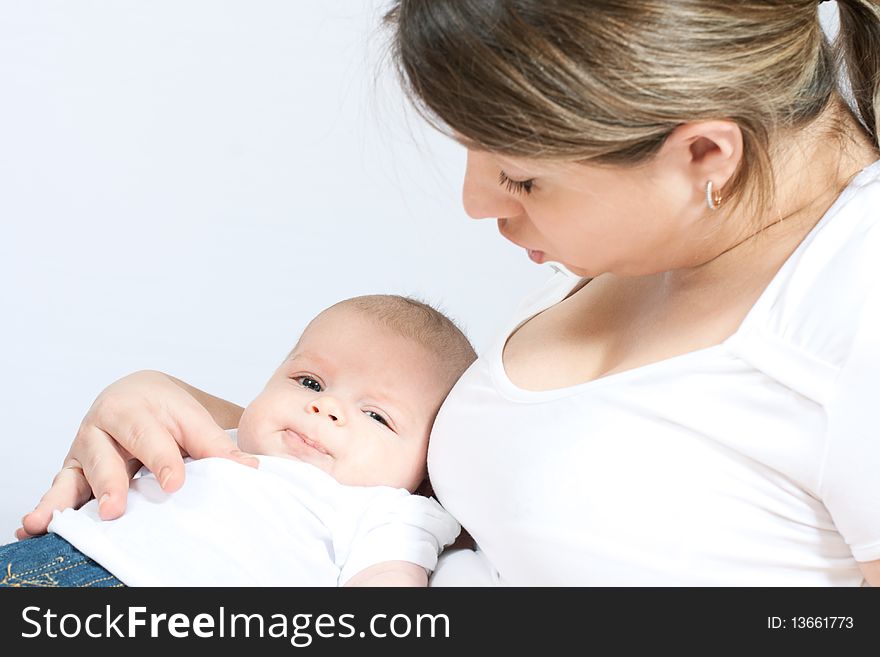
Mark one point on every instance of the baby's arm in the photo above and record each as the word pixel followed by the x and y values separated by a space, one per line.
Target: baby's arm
pixel 396 541
pixel 390 573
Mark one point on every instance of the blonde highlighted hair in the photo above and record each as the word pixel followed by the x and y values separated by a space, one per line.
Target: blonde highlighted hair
pixel 607 81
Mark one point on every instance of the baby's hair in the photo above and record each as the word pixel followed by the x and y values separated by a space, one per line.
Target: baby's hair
pixel 420 322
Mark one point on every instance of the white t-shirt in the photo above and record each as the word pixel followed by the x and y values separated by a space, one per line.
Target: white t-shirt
pixel 752 462
pixel 287 523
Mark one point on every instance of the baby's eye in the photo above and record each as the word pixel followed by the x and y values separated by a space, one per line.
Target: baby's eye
pixel 378 418
pixel 309 382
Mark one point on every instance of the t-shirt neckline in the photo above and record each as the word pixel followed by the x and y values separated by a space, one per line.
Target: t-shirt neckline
pixel 758 309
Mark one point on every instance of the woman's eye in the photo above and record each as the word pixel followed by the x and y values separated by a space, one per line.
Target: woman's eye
pixel 515 186
pixel 309 382
pixel 377 417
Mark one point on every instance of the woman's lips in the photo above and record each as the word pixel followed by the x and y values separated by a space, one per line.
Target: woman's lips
pixel 536 256
pixel 315 445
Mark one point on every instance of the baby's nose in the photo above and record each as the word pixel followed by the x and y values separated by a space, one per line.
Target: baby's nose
pixel 329 407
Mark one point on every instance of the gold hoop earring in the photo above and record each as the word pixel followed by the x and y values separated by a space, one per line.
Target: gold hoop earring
pixel 713 198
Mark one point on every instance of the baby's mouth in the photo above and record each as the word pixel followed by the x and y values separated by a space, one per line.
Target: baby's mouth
pixel 315 445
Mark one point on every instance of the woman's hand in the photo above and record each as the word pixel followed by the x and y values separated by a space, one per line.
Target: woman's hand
pixel 144 418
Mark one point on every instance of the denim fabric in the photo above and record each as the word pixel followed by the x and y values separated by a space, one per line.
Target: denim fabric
pixel 50 561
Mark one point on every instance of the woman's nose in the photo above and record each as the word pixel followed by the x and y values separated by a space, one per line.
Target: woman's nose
pixel 329 407
pixel 482 196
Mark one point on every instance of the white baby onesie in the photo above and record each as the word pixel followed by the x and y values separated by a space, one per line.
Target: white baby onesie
pixel 286 523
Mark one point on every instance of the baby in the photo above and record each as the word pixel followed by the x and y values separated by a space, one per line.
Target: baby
pixel 342 429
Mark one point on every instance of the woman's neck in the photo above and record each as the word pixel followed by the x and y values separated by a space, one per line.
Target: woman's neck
pixel 811 170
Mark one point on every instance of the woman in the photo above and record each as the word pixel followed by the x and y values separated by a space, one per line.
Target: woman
pixel 695 409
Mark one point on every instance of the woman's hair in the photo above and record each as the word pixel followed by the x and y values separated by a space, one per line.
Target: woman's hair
pixel 607 81
pixel 858 46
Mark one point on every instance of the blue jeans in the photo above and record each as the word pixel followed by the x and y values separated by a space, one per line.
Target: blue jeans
pixel 50 561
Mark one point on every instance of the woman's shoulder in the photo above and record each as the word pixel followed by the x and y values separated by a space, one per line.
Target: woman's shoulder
pixel 816 300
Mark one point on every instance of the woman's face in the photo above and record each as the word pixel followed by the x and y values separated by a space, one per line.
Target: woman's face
pixel 592 219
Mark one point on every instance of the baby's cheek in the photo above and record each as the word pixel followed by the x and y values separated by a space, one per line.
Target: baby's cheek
pixel 247 441
pixel 245 444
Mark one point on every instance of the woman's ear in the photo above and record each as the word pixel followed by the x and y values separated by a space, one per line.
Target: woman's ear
pixel 704 150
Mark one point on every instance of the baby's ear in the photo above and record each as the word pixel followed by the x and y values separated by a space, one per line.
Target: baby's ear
pixel 425 489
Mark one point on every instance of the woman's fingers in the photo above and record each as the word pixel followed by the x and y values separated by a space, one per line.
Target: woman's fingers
pixel 160 439
pixel 202 438
pixel 192 432
pixel 69 489
pixel 146 417
pixel 146 441
pixel 105 468
pixel 101 466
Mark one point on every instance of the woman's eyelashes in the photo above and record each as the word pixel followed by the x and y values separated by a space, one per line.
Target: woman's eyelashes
pixel 515 186
pixel 312 383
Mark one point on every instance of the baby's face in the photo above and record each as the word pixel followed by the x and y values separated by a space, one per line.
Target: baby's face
pixel 354 399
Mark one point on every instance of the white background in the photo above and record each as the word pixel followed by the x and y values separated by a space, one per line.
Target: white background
pixel 184 183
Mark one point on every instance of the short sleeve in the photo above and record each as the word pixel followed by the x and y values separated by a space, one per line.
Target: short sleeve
pixel 398 526
pixel 850 483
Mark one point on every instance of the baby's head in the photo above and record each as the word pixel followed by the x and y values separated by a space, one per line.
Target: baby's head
pixel 358 394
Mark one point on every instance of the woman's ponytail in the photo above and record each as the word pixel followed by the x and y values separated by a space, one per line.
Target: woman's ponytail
pixel 858 46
